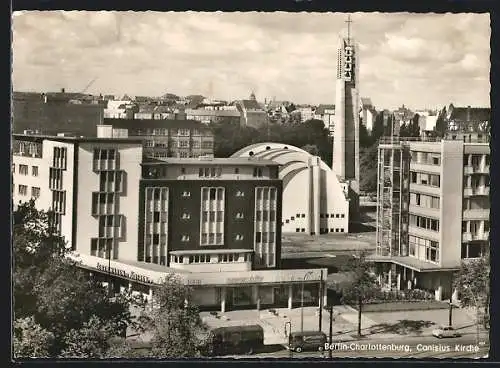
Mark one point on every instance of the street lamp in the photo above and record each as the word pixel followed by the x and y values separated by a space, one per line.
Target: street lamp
pixel 289 324
pixel 302 302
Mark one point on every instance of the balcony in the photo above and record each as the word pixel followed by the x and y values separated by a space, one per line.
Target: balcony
pixel 476 169
pixel 478 214
pixel 485 236
pixel 466 237
pixel 476 191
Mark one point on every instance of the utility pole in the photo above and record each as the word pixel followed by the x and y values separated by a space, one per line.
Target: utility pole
pixel 331 332
pixel 321 291
pixel 450 314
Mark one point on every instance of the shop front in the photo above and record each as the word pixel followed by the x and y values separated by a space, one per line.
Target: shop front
pixel 218 290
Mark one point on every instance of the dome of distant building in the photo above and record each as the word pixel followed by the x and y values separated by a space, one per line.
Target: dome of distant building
pixel 314 199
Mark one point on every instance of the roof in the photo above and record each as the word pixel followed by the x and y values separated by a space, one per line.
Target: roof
pixel 213 161
pixel 210 251
pixel 207 112
pixel 470 113
pixel 152 123
pixel 412 263
pixel 251 104
pixel 320 110
pixel 146 109
pixel 39 138
pixel 230 329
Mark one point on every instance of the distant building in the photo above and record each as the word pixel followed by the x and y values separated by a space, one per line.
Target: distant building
pixel 368 113
pixel 121 109
pixel 252 114
pixel 467 123
pixel 53 113
pixel 214 115
pixel 326 113
pixel 306 113
pixel 168 138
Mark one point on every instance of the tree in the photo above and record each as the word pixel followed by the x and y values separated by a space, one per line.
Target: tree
pixel 368 163
pixel 412 128
pixel 50 289
pixel 311 148
pixel 175 321
pixel 472 282
pixel 365 139
pixel 362 283
pixel 378 126
pixel 441 126
pixel 31 340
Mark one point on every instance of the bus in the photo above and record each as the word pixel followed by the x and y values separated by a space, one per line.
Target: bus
pixel 235 339
pixel 307 340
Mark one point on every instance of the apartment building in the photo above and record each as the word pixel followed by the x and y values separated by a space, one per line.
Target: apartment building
pixel 214 115
pixel 168 138
pixel 131 221
pixel 433 210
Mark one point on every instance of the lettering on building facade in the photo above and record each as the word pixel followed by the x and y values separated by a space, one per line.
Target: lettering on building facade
pixel 348 63
pixel 122 273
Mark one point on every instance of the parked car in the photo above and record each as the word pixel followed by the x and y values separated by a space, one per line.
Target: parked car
pixel 307 340
pixel 235 339
pixel 445 331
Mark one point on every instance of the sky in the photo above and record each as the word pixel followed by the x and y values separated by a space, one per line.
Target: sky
pixel 419 60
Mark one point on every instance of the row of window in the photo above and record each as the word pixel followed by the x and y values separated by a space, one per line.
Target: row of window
pixel 473 250
pixel 212 193
pixel 102 247
pixel 207 172
pixel 24 169
pixel 476 181
pixel 111 181
pixel 59 201
pixel 30 148
pixel 475 160
pixel 105 154
pixel 23 190
pixel 322 231
pixel 264 237
pixel 55 178
pixel 474 226
pixel 476 203
pixel 430 248
pixel 432 180
pixel 59 158
pixel 424 222
pixel 424 200
pixel 207 258
pixel 427 158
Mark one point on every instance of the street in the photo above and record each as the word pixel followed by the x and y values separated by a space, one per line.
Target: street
pixel 406 347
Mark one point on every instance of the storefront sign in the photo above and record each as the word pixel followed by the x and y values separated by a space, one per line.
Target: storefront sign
pixel 122 273
pixel 245 280
pixel 348 63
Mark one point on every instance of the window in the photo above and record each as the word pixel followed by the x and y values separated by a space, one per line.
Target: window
pixel 303 230
pixel 34 170
pixel 236 170
pixel 342 230
pixel 292 218
pixel 23 189
pixel 185 238
pixel 239 237
pixel 337 215
pixel 413 177
pixel 342 215
pixel 239 193
pixel 183 170
pixel 186 216
pixel 35 192
pixel 297 230
pixel 257 172
pixel 156 238
pixel 258 237
pixel 240 215
pixel 23 169
pixel 186 194
pixel 303 215
pixel 272 215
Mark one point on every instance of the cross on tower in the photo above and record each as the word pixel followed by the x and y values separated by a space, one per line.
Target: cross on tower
pixel 348 21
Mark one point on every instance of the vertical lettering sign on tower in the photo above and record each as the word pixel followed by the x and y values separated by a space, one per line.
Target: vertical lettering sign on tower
pixel 348 63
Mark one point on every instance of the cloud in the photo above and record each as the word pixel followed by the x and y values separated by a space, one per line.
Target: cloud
pixel 288 55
